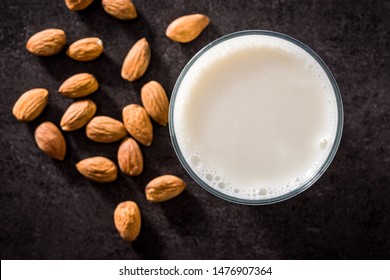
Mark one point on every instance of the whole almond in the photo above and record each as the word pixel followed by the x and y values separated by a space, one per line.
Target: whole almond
pixel 130 158
pixel 127 219
pixel 78 114
pixel 79 85
pixel 156 102
pixel 30 104
pixel 46 42
pixel 77 5
pixel 164 188
pixel 50 140
pixel 186 28
pixel 138 124
pixel 105 129
pixel 136 61
pixel 85 49
pixel 98 169
pixel 120 9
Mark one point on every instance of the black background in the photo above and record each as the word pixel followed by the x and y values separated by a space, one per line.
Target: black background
pixel 50 211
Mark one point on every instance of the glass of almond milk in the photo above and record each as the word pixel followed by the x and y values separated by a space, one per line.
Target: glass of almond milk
pixel 256 117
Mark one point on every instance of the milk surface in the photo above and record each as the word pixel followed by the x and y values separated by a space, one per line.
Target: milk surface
pixel 255 117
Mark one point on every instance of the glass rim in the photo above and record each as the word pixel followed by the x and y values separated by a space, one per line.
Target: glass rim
pixel 294 192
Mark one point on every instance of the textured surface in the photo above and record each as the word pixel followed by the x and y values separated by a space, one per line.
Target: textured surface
pixel 48 210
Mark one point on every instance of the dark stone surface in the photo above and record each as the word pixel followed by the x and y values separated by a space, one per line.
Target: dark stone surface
pixel 48 211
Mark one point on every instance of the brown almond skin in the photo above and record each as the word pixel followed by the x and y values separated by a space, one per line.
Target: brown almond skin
pixel 86 49
pixel 130 157
pixel 156 102
pixel 187 28
pixel 50 140
pixel 78 114
pixel 138 124
pixel 46 42
pixel 120 9
pixel 79 85
pixel 30 104
pixel 136 61
pixel 164 188
pixel 105 130
pixel 77 5
pixel 98 169
pixel 127 220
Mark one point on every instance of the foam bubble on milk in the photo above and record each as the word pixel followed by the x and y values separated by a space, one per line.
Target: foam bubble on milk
pixel 198 156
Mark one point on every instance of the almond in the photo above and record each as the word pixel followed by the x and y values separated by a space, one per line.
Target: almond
pixel 105 129
pixel 137 123
pixel 47 42
pixel 79 85
pixel 186 28
pixel 156 102
pixel 85 49
pixel 77 5
pixel 30 104
pixel 127 219
pixel 130 158
pixel 50 140
pixel 98 169
pixel 136 61
pixel 120 9
pixel 164 188
pixel 78 114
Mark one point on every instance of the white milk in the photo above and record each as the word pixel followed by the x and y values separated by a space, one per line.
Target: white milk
pixel 255 117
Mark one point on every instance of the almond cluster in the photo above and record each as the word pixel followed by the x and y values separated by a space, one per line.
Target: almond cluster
pixel 133 129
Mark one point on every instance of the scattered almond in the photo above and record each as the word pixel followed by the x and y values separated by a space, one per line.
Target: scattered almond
pixel 136 61
pixel 136 120
pixel 30 104
pixel 127 219
pixel 78 114
pixel 121 9
pixel 138 124
pixel 79 85
pixel 46 42
pixel 130 158
pixel 50 140
pixel 85 49
pixel 156 102
pixel 77 5
pixel 186 28
pixel 105 129
pixel 98 169
pixel 164 188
